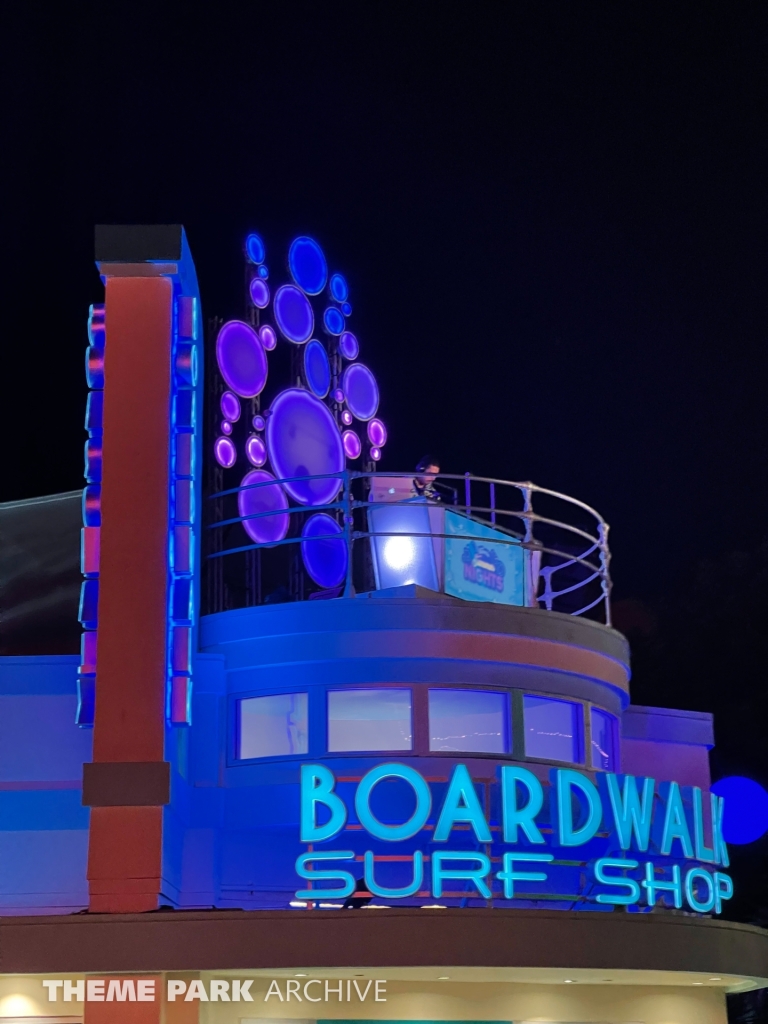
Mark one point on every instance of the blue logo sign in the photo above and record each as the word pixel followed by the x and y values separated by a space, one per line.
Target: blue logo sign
pixel 482 564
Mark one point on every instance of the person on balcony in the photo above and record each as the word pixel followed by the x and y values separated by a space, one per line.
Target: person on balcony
pixel 424 483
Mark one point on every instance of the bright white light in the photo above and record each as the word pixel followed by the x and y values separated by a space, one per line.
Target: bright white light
pixel 398 552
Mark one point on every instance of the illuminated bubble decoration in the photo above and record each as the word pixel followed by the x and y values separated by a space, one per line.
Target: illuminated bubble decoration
pixel 268 337
pixel 226 427
pixel 377 433
pixel 333 321
pixel 324 550
pixel 259 292
pixel 375 454
pixel 339 289
pixel 241 358
pixel 225 452
pixel 254 249
pixel 303 440
pixel 745 817
pixel 263 271
pixel 266 504
pixel 352 445
pixel 338 395
pixel 307 265
pixel 293 313
pixel 361 390
pixel 258 422
pixel 346 418
pixel 255 450
pixel 230 406
pixel 348 345
pixel 317 369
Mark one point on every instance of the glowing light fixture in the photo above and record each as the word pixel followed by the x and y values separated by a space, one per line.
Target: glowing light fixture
pixel 268 337
pixel 230 406
pixel 377 433
pixel 264 499
pixel 348 345
pixel 259 292
pixel 361 390
pixel 352 445
pixel 339 289
pixel 254 249
pixel 307 265
pixel 317 369
pixel 241 358
pixel 324 550
pixel 256 450
pixel 293 313
pixel 225 452
pixel 333 321
pixel 303 440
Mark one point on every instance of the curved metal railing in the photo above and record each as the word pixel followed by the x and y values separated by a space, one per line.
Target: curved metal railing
pixel 557 544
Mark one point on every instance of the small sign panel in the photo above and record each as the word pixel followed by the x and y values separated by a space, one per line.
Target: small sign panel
pixel 482 564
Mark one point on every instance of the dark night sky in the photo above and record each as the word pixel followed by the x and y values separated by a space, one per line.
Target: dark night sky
pixel 552 217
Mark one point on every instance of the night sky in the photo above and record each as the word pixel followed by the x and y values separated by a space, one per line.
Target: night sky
pixel 552 217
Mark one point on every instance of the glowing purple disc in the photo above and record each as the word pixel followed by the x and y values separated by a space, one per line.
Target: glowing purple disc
pixel 303 440
pixel 225 452
pixel 226 427
pixel 352 446
pixel 230 406
pixel 258 422
pixel 293 313
pixel 323 550
pixel 256 450
pixel 375 454
pixel 348 345
pixel 377 433
pixel 346 418
pixel 268 503
pixel 338 395
pixel 361 390
pixel 241 358
pixel 268 337
pixel 259 290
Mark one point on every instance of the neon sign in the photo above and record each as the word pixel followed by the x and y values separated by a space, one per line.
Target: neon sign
pixel 651 833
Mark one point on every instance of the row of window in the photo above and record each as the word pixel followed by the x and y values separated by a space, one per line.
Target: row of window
pixel 365 720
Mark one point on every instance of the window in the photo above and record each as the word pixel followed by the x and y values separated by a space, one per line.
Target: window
pixel 369 719
pixel 553 729
pixel 269 726
pixel 604 746
pixel 473 720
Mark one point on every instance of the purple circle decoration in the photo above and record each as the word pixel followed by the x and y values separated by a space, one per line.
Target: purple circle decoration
pixel 324 551
pixel 317 369
pixel 258 422
pixel 346 308
pixel 361 390
pixel 377 433
pixel 241 359
pixel 259 292
pixel 267 502
pixel 307 265
pixel 293 313
pixel 339 289
pixel 255 450
pixel 303 440
pixel 230 406
pixel 375 454
pixel 268 337
pixel 226 427
pixel 338 395
pixel 254 248
pixel 346 418
pixel 352 446
pixel 225 452
pixel 333 320
pixel 348 345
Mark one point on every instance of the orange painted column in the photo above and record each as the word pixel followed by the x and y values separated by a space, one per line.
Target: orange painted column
pixel 128 783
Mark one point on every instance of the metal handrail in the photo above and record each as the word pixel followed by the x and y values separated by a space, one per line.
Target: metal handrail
pixel 592 561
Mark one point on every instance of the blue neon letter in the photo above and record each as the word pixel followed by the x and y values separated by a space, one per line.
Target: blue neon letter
pixel 461 804
pixel 417 821
pixel 703 853
pixel 564 781
pixel 317 784
pixel 630 814
pixel 654 885
pixel 394 894
pixel 515 816
pixel 721 850
pixel 633 894
pixel 690 890
pixel 302 870
pixel 478 875
pixel 509 876
pixel 675 823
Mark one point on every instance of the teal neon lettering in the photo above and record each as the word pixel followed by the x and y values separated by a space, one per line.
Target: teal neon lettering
pixel 509 876
pixel 631 814
pixel 366 817
pixel 701 875
pixel 717 803
pixel 620 864
pixel 476 875
pixel 394 894
pixel 565 783
pixel 303 871
pixel 723 890
pixel 317 783
pixel 515 817
pixel 703 853
pixel 654 886
pixel 461 805
pixel 675 822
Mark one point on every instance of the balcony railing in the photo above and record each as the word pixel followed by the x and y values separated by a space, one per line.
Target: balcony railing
pixel 480 539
